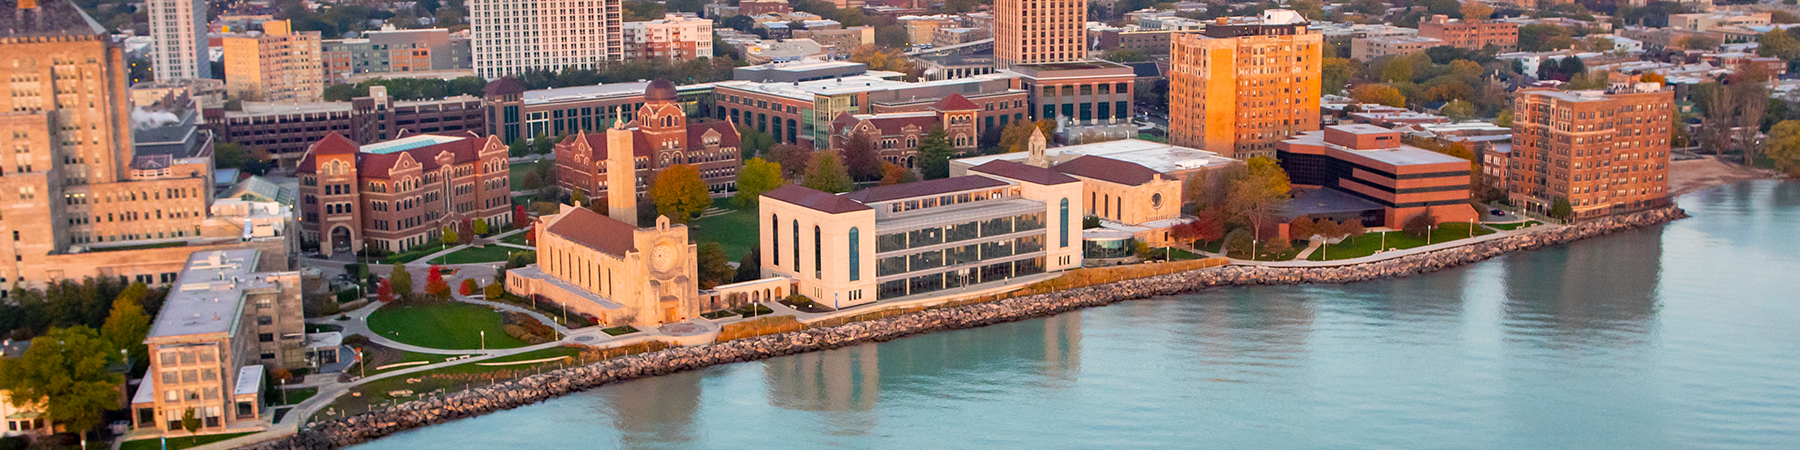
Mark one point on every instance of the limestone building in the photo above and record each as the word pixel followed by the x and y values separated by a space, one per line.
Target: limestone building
pixel 224 325
pixel 611 270
pixel 1244 84
pixel 1039 31
pixel 1006 221
pixel 1604 152
pixel 393 195
pixel 277 65
pixel 660 137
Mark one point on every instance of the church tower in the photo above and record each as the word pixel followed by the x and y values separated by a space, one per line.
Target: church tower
pixel 1035 149
pixel 621 174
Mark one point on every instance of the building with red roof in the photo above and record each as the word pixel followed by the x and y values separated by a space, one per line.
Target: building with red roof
pixel 661 137
pixel 394 195
pixel 896 135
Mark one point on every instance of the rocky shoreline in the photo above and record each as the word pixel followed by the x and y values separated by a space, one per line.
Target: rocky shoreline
pixel 526 391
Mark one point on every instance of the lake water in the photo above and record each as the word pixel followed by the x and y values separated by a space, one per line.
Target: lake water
pixel 1682 336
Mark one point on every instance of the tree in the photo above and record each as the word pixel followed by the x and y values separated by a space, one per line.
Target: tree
pixel 1718 106
pixel 884 58
pixel 1018 134
pixel 679 193
pixel 1697 42
pixel 190 423
pixel 1472 10
pixel 1561 209
pixel 714 267
pixel 757 176
pixel 401 279
pixel 1333 73
pixel 860 158
pixel 542 144
pixel 1778 43
pixel 127 325
pixel 892 174
pixel 792 159
pixel 479 227
pixel 520 218
pixel 1125 55
pixel 1378 93
pixel 579 196
pixel 1505 118
pixel 67 369
pixel 749 268
pixel 434 283
pixel 384 292
pixel 1784 146
pixel 532 181
pixel 467 287
pixel 1458 110
pixel 450 236
pixel 1397 70
pixel 753 143
pixel 1420 224
pixel 935 152
pixel 1255 194
pixel 827 174
pixel 494 291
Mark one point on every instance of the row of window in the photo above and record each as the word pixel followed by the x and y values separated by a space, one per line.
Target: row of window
pixel 960 232
pixel 958 278
pixel 956 256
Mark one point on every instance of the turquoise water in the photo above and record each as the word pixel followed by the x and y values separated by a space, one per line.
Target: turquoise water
pixel 1683 336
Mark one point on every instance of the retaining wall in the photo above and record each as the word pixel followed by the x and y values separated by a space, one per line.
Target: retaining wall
pixel 526 391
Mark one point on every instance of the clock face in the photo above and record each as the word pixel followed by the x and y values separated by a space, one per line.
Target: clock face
pixel 664 256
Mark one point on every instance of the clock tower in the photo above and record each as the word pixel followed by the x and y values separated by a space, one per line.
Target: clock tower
pixel 670 270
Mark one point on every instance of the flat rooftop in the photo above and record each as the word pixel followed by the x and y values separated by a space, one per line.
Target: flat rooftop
pixel 208 296
pixel 597 91
pixel 807 90
pixel 408 143
pixel 1404 155
pixel 1157 156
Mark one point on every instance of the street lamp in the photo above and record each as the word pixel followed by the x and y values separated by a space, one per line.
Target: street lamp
pixel 484 340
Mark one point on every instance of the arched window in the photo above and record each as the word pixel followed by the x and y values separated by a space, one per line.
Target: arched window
pixel 856 254
pixel 775 239
pixel 1065 223
pixel 796 247
pixel 818 252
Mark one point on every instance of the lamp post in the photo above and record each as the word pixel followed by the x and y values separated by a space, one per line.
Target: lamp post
pixel 484 340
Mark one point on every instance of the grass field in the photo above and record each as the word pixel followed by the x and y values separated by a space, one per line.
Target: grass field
pixel 448 379
pixel 515 239
pixel 1514 226
pixel 736 231
pixel 1369 243
pixel 449 326
pixel 178 442
pixel 518 171
pixel 295 396
pixel 471 255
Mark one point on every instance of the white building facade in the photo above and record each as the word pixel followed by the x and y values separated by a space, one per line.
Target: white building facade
pixel 179 30
pixel 510 37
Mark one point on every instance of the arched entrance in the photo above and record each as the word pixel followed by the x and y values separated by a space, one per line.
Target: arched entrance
pixel 340 239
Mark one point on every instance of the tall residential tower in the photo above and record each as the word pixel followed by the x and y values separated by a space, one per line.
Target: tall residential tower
pixel 512 37
pixel 1245 84
pixel 179 27
pixel 1039 31
pixel 1604 152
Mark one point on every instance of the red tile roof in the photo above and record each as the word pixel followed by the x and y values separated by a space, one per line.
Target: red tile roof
pixel 955 102
pixel 378 165
pixel 1024 172
pixel 1108 169
pixel 596 140
pixel 924 188
pixel 592 230
pixel 815 199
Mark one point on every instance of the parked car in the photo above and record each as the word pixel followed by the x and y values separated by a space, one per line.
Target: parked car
pixel 1497 212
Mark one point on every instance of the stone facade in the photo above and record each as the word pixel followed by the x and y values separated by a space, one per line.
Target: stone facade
pixel 612 271
pixel 276 66
pixel 661 137
pixel 394 195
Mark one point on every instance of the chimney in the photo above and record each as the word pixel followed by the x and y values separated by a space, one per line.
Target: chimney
pixel 28 4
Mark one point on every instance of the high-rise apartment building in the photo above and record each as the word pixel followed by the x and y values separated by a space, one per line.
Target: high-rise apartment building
pixel 674 38
pixel 1039 31
pixel 179 30
pixel 80 200
pixel 275 66
pixel 393 50
pixel 511 37
pixel 1471 34
pixel 1605 152
pixel 1245 84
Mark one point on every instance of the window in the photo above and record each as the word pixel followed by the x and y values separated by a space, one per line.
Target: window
pixel 775 238
pixel 818 252
pixel 796 247
pixel 1064 228
pixel 265 337
pixel 855 254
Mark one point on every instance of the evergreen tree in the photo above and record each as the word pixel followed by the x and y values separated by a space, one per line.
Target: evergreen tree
pixel 935 152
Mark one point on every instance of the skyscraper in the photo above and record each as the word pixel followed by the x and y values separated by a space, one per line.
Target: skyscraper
pixel 1245 84
pixel 1039 31
pixel 512 37
pixel 275 66
pixel 179 27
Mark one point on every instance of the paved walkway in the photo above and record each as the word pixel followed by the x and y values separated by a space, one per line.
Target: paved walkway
pixel 359 324
pixel 1392 254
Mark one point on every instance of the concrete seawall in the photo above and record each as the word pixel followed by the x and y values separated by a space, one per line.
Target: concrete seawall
pixel 526 391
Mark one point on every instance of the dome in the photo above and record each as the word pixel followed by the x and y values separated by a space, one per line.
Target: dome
pixel 659 90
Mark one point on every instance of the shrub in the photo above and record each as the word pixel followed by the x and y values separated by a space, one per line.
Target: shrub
pixel 468 287
pixel 14 443
pixel 1420 224
pixel 1238 244
pixel 494 291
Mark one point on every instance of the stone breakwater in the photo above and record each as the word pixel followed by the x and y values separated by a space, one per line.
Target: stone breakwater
pixel 537 388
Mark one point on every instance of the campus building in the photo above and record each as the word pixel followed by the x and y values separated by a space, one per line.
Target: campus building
pixel 81 199
pixel 1604 152
pixel 1245 84
pixel 1472 34
pixel 611 270
pixel 801 113
pixel 1039 31
pixel 390 50
pixel 661 137
pixel 511 37
pixel 1008 220
pixel 1089 100
pixel 1362 172
pixel 673 38
pixel 393 195
pixel 178 29
pixel 225 324
pixel 277 65
pixel 895 136
pixel 514 113
pixel 286 130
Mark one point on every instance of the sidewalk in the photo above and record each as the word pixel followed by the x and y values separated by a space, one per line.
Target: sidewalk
pixel 1393 254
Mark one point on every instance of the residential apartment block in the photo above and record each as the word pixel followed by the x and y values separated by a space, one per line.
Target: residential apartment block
pixel 1605 152
pixel 511 37
pixel 1362 172
pixel 1010 220
pixel 1245 84
pixel 224 325
pixel 1039 31
pixel 275 66
pixel 660 137
pixel 393 195
pixel 840 42
pixel 1471 34
pixel 178 28
pixel 392 50
pixel 672 38
pixel 287 130
pixel 1375 47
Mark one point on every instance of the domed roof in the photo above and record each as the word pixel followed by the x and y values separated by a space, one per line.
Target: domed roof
pixel 659 90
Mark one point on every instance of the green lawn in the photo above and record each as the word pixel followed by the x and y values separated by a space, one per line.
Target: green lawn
pixel 471 255
pixel 295 396
pixel 1368 243
pixel 376 392
pixel 450 326
pixel 736 231
pixel 416 252
pixel 518 171
pixel 620 330
pixel 178 443
pixel 1514 226
pixel 515 239
pixel 1174 254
